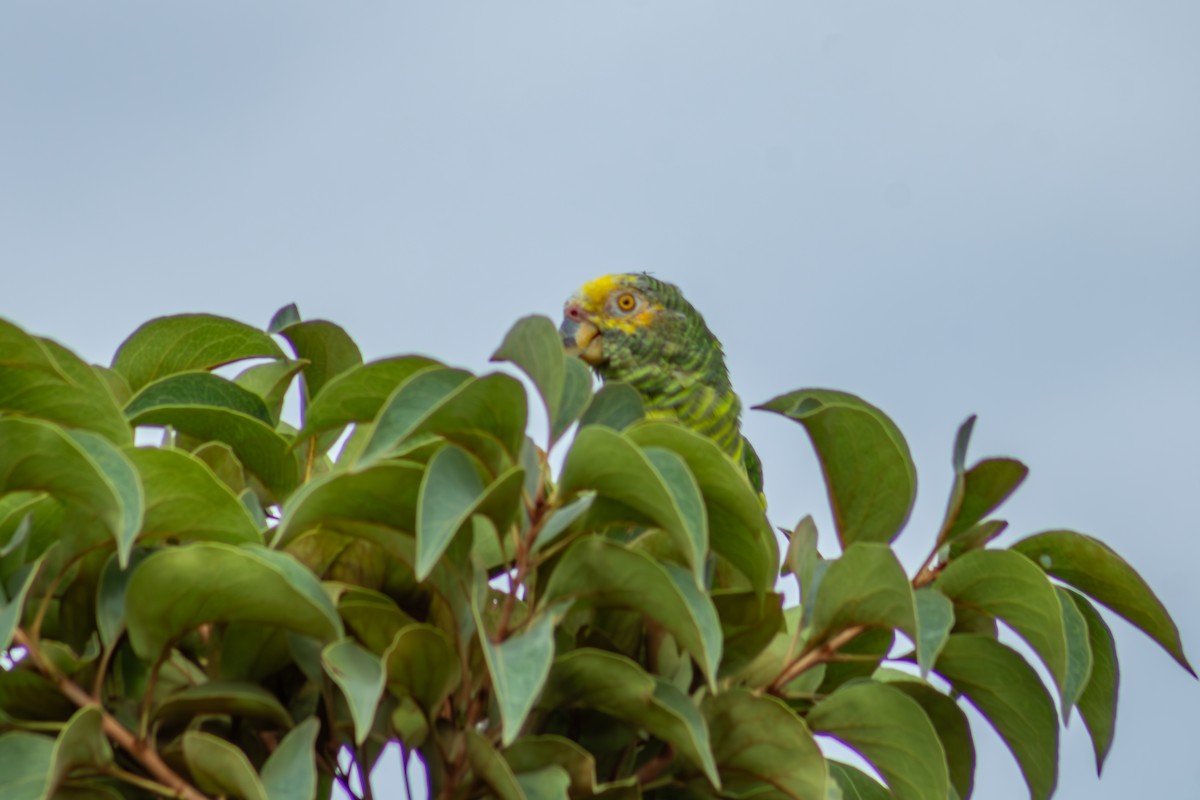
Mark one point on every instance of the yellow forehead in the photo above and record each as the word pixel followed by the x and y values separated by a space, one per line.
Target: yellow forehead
pixel 594 294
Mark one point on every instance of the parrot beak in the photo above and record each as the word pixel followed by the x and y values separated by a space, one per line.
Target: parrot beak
pixel 582 338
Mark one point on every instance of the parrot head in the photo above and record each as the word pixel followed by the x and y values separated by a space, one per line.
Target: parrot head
pixel 625 324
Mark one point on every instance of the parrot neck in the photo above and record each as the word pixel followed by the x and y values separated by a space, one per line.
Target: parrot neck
pixel 680 373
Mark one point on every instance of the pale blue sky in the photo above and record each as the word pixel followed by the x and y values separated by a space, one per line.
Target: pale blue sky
pixel 946 207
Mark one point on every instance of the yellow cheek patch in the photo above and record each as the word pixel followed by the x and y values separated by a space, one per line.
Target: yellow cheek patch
pixel 638 320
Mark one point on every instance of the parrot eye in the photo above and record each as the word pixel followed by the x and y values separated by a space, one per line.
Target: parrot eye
pixel 626 302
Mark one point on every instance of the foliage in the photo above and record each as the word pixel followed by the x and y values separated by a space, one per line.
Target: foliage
pixel 235 610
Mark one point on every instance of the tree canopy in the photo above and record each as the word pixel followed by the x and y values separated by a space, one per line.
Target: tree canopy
pixel 247 608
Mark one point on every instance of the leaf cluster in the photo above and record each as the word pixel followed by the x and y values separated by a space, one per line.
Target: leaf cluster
pixel 251 609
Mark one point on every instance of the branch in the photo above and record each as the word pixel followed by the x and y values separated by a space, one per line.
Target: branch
pixel 828 651
pixel 813 657
pixel 524 546
pixel 655 766
pixel 927 574
pixel 119 734
pixel 310 460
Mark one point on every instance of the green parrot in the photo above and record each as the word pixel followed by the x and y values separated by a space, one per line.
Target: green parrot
pixel 641 331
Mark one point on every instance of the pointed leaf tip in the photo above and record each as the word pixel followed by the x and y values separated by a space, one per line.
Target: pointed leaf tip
pixel 564 383
pixel 1093 568
pixel 288 315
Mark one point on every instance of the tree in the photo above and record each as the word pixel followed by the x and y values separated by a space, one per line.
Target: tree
pixel 246 608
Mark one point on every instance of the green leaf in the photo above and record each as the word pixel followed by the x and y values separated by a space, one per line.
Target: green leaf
pixel 408 406
pixel 81 743
pixel 616 406
pixel 1092 568
pixel 126 484
pixel 27 695
pixel 359 393
pixel 288 315
pixel 328 349
pixel 890 730
pixel 856 784
pixel 519 666
pixel 985 487
pixel 952 729
pixel 977 491
pixel 604 573
pixel 25 760
pixel 533 345
pixel 220 768
pixel 976 536
pixel 1007 691
pixel 114 382
pixel 961 441
pixel 422 663
pixel 749 623
pixel 13 593
pixel 610 464
pixel 562 518
pixel 290 773
pixel 685 494
pixel 935 618
pixel 860 658
pixel 576 397
pixel 1079 652
pixel 221 461
pixel 493 770
pixel 410 723
pixel 531 753
pixel 372 617
pixel 866 586
pixel 383 494
pixel 20 349
pixel 20 513
pixel 449 581
pixel 98 788
pixel 451 491
pixel 547 783
pixel 1098 702
pixel 619 687
pixel 803 557
pixel 868 470
pixel 42 379
pixel 236 698
pixel 80 469
pixel 167 345
pixel 360 675
pixel 257 445
pixel 198 389
pixel 271 382
pixel 738 529
pixel 452 404
pixel 1007 585
pixel 759 739
pixel 175 590
pixel 184 499
pixel 110 597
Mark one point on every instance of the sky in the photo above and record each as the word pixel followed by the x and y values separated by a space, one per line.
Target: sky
pixel 944 207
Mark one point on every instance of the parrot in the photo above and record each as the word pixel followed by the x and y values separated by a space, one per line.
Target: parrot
pixel 640 330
